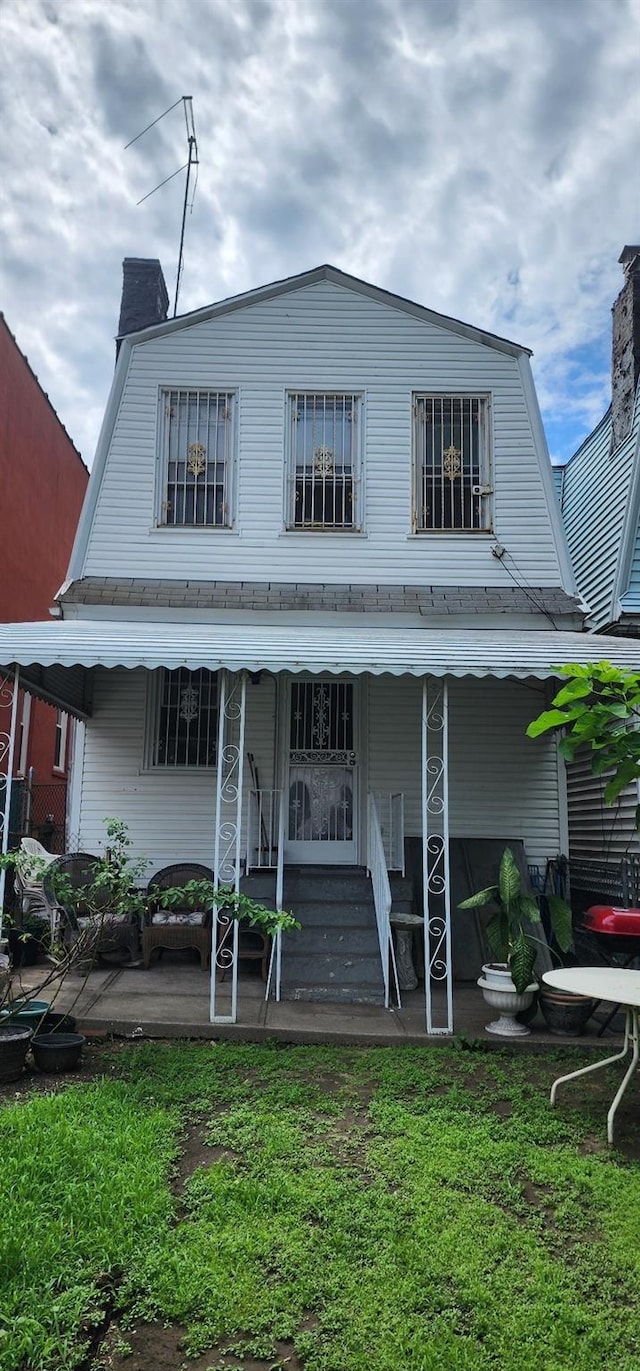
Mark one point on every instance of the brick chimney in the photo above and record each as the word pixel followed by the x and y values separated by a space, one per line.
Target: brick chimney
pixel 145 300
pixel 625 360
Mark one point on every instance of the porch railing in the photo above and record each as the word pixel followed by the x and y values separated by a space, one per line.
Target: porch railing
pixel 390 807
pixel 263 829
pixel 378 871
pixel 265 851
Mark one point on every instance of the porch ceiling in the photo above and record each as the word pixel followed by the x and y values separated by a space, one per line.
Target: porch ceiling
pixel 298 648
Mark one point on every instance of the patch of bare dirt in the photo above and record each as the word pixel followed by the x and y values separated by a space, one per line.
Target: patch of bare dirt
pixel 93 1063
pixel 151 1345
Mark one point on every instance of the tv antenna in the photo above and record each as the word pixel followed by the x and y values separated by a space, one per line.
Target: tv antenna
pixel 192 162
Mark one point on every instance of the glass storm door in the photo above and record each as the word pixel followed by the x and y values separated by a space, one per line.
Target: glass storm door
pixel 321 790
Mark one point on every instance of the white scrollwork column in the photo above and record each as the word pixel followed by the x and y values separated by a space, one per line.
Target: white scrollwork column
pixel 436 886
pixel 9 691
pixel 232 702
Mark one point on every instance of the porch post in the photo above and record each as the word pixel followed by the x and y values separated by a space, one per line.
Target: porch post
pixel 9 691
pixel 232 702
pixel 436 885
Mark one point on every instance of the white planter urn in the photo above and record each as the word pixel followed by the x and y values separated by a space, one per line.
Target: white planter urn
pixel 500 993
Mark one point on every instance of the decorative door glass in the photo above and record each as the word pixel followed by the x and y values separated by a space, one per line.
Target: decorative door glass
pixel 322 762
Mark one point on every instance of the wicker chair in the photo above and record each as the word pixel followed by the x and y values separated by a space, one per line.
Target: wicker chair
pixel 114 932
pixel 177 929
pixel 253 946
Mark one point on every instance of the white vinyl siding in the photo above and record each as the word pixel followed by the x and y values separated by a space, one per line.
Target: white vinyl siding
pixel 502 784
pixel 322 339
pixel 170 812
pixel 597 831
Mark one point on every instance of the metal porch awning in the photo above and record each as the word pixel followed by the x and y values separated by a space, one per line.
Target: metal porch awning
pixel 54 657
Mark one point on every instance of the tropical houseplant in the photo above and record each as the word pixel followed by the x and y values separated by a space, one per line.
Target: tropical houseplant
pixel 114 890
pixel 507 984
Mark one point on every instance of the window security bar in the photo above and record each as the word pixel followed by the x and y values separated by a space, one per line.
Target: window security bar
pixel 451 463
pixel 197 429
pixel 323 475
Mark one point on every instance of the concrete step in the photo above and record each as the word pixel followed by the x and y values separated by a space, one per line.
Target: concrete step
pixel 335 914
pixel 363 940
pixel 331 969
pixel 335 956
pixel 333 994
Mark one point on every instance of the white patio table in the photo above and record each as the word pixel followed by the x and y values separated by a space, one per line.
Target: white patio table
pixel 620 987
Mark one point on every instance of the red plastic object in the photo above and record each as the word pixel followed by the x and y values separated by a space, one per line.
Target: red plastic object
pixel 613 922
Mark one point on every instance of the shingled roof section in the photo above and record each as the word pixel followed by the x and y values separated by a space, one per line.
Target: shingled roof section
pixel 355 599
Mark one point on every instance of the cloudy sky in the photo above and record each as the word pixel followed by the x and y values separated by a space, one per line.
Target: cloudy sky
pixel 478 156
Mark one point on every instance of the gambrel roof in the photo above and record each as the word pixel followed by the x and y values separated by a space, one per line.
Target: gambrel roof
pixel 338 278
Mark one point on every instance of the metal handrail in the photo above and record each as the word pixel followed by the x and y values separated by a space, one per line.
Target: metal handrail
pixel 275 960
pixel 262 836
pixel 377 866
pixel 390 807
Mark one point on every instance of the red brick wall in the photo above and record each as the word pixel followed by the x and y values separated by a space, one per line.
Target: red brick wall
pixel 42 484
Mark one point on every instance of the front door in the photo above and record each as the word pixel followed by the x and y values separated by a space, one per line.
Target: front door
pixel 322 772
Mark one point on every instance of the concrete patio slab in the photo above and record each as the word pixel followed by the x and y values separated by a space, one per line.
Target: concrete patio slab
pixel 172 1000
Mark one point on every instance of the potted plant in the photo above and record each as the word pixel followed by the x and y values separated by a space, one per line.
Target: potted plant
pixel 508 984
pixel 27 939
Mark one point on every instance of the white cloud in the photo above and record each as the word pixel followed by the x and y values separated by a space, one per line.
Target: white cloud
pixel 479 157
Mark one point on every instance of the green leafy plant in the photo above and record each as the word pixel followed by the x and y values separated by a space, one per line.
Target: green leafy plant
pixel 598 708
pixel 117 888
pixel 508 931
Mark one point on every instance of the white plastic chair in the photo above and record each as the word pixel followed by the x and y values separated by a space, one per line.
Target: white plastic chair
pixel 33 860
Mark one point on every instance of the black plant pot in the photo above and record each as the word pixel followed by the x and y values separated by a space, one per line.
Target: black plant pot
pixel 14 1045
pixel 565 1015
pixel 24 951
pixel 57 1023
pixel 57 1051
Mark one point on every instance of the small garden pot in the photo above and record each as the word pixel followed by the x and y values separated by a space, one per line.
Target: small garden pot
pixel 565 1015
pixel 57 1051
pixel 498 975
pixel 26 1012
pixel 14 1045
pixel 58 1023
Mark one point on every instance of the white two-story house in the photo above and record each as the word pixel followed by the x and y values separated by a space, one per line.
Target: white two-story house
pixel 319 589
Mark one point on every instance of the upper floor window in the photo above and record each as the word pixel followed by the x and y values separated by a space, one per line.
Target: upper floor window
pixel 451 463
pixel 197 432
pixel 324 461
pixel 184 719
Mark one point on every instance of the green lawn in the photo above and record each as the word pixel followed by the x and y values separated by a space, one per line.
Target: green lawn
pixel 384 1209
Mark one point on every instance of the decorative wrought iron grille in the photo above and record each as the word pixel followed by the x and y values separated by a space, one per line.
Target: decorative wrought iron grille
pixel 324 461
pixel 197 429
pixel 451 463
pixel 321 720
pixel 186 719
pixel 321 762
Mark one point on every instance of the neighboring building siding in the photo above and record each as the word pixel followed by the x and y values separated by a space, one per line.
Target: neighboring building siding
pixel 42 485
pixel 596 830
pixel 593 508
pixel 558 480
pixel 321 337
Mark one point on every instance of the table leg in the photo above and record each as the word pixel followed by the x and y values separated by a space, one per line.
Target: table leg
pixel 632 1034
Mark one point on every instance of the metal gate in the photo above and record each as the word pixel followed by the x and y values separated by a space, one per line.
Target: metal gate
pixel 322 779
